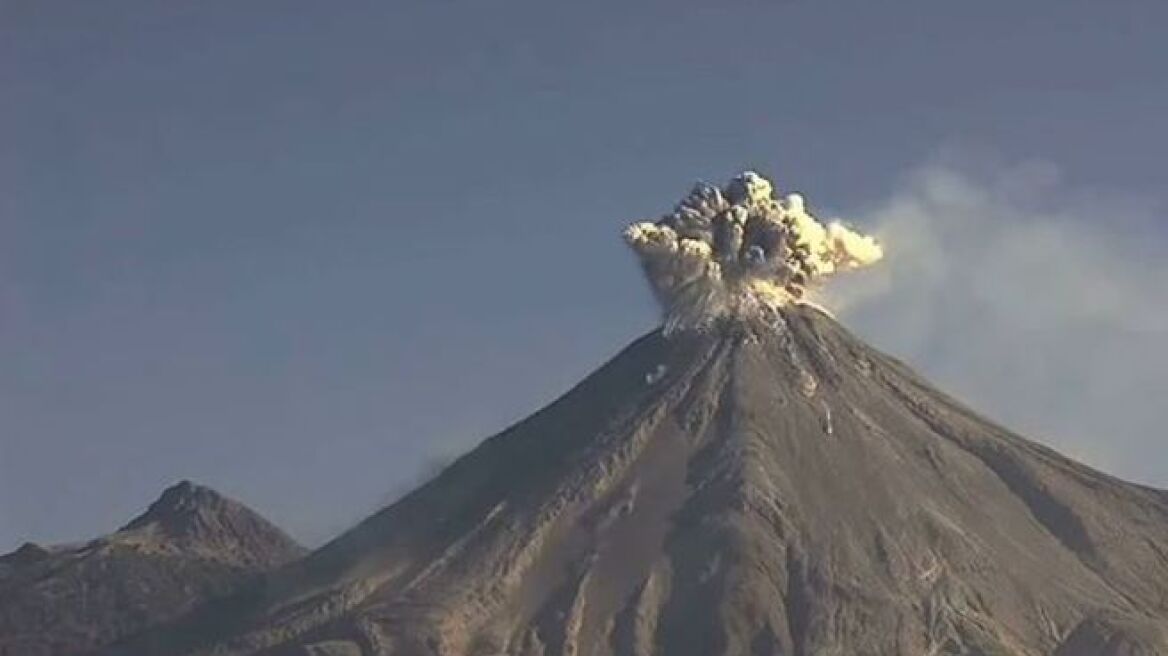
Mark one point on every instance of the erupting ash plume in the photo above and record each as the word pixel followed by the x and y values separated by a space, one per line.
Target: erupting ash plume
pixel 741 252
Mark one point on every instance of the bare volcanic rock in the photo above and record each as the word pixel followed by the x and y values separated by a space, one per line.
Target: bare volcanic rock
pixel 190 545
pixel 740 491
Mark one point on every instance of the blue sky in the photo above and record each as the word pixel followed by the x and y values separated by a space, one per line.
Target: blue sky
pixel 303 251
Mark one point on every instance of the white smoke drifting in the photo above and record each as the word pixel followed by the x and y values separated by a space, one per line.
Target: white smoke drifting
pixel 1038 302
pixel 741 252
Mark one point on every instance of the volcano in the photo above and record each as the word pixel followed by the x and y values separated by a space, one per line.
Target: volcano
pixel 785 490
pixel 190 545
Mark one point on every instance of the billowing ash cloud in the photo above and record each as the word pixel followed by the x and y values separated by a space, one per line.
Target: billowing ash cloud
pixel 741 251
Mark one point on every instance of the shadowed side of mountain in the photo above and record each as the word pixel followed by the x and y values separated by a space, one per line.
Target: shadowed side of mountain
pixel 1104 636
pixel 190 545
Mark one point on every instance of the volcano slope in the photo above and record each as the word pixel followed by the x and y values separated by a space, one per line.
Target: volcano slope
pixel 780 490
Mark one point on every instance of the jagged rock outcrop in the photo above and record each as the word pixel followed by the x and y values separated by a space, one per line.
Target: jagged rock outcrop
pixel 764 492
pixel 191 545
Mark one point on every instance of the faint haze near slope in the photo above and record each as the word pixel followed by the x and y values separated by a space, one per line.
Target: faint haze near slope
pixel 1042 304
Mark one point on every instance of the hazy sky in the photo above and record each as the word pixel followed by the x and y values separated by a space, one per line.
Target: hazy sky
pixel 301 251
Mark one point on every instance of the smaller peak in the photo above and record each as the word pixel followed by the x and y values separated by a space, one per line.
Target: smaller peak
pixel 185 486
pixel 27 553
pixel 185 492
pixel 179 504
pixel 193 517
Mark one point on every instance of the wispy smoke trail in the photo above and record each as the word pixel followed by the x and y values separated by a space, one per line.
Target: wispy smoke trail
pixel 1038 302
pixel 741 251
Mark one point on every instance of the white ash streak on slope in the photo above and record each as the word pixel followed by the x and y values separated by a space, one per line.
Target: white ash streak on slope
pixel 741 252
